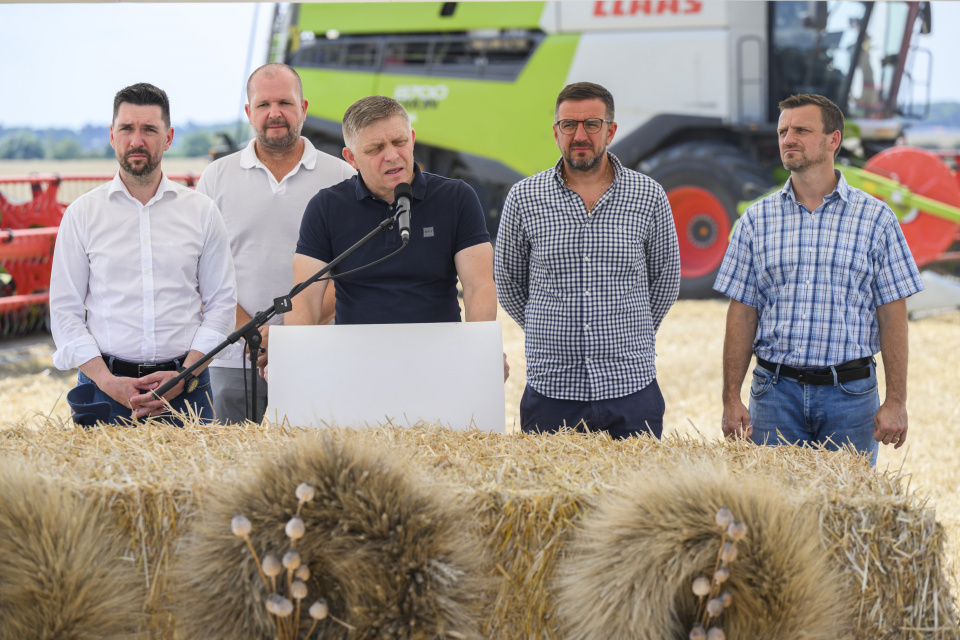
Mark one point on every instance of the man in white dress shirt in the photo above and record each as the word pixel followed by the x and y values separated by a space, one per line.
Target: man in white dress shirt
pixel 142 282
pixel 262 192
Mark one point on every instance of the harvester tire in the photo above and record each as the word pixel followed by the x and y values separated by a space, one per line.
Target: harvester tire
pixel 704 181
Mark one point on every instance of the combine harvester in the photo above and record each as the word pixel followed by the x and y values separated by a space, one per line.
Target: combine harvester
pixel 697 85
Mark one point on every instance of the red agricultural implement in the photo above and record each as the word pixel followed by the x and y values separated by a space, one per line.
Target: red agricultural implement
pixel 30 211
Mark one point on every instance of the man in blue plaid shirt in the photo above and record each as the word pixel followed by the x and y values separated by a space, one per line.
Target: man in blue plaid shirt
pixel 587 264
pixel 817 275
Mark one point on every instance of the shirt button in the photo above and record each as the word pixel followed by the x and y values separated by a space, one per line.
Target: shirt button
pixel 588 359
pixel 586 293
pixel 586 326
pixel 586 258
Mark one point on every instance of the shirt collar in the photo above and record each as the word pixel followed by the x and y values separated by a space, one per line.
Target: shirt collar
pixel 419 186
pixel 842 190
pixel 117 186
pixel 614 160
pixel 249 159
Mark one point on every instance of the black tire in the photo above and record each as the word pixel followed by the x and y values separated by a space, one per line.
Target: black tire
pixel 730 175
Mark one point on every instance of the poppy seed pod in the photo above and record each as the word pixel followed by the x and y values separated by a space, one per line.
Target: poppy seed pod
pixel 701 586
pixel 302 573
pixel 283 607
pixel 729 553
pixel 240 526
pixel 698 633
pixel 306 492
pixel 720 575
pixel 319 609
pixel 271 565
pixel 298 590
pixel 295 528
pixel 716 633
pixel 724 517
pixel 737 530
pixel 271 603
pixel 291 560
pixel 715 607
pixel 726 597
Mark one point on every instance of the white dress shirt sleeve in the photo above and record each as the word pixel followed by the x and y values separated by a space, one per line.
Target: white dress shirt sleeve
pixel 218 285
pixel 69 280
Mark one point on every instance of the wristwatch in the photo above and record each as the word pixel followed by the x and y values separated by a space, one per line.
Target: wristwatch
pixel 190 381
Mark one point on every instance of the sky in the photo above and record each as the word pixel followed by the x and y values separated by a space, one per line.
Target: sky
pixel 61 64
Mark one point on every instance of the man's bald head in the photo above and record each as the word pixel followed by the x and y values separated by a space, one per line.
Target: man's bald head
pixel 273 69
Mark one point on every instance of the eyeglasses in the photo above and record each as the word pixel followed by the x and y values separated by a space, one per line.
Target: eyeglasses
pixel 590 125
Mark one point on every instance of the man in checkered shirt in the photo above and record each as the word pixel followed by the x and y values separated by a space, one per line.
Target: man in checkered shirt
pixel 587 264
pixel 817 275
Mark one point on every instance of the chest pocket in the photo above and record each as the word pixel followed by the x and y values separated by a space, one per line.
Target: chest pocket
pixel 623 254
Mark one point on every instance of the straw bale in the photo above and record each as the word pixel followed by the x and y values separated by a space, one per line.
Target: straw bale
pixel 65 573
pixel 630 569
pixel 527 495
pixel 387 552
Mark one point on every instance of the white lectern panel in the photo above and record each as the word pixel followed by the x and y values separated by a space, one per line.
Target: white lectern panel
pixel 363 375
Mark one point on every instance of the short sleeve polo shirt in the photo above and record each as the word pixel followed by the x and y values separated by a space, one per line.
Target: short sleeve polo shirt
pixel 417 285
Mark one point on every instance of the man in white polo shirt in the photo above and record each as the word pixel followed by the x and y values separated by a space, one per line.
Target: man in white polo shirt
pixel 262 192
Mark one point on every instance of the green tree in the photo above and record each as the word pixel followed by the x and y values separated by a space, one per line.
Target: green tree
pixel 21 145
pixel 66 149
pixel 196 144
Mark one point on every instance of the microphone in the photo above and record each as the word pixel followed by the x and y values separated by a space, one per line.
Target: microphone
pixel 401 196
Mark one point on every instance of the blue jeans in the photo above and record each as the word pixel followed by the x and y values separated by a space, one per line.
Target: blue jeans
pixel 199 401
pixel 631 415
pixel 842 412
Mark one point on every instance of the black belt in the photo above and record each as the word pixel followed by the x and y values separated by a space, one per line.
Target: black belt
pixel 127 369
pixel 852 370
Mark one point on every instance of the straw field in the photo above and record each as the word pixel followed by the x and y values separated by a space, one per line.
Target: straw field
pixel 893 534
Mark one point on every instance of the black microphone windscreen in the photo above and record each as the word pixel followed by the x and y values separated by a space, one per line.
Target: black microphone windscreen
pixel 402 190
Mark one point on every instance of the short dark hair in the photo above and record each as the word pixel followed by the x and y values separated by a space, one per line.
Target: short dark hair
pixel 830 113
pixel 271 68
pixel 367 111
pixel 143 94
pixel 586 91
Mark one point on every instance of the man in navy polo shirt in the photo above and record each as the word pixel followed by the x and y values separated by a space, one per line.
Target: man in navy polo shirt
pixel 448 237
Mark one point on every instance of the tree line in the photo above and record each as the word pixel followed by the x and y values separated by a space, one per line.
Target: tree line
pixel 93 141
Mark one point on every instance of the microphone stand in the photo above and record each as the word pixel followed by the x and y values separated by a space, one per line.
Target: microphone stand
pixel 251 331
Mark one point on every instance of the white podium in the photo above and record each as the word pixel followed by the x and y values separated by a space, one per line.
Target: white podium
pixel 366 375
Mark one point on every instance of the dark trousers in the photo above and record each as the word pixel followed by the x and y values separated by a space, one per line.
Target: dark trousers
pixel 632 415
pixel 232 398
pixel 199 402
